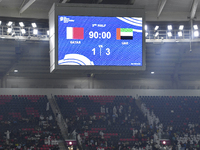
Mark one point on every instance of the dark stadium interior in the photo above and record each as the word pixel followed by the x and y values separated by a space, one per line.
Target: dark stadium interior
pixel 153 109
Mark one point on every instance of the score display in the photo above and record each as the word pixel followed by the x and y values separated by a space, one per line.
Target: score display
pixel 100 41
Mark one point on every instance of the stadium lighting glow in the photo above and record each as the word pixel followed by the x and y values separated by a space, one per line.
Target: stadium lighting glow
pixel 152 72
pixel 164 142
pixel 180 33
pixel 35 31
pixel 13 34
pixel 9 23
pixel 195 27
pixel 34 25
pixel 70 143
pixel 23 31
pixel 181 27
pixel 9 30
pixel 196 33
pixel 169 27
pixel 21 24
pixel 47 32
pixel 157 33
pixel 15 70
pixel 156 28
pixel 145 27
pixel 169 34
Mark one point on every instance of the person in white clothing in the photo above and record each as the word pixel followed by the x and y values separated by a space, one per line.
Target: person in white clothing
pixel 7 134
pixel 49 140
pixel 74 133
pixel 47 108
pixel 114 110
pixel 120 109
pixel 41 117
pixel 59 117
pixel 46 141
pixel 107 110
pixel 101 134
pixel 86 134
pixel 79 139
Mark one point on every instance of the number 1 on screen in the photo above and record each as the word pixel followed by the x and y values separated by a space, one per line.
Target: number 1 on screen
pixel 93 51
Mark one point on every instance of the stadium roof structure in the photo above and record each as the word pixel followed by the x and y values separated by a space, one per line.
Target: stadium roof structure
pixel 156 10
pixel 168 60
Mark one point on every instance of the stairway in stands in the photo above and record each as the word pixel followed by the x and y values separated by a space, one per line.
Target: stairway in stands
pixel 60 121
pixel 80 108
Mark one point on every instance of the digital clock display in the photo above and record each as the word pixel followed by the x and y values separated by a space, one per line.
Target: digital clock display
pixel 100 41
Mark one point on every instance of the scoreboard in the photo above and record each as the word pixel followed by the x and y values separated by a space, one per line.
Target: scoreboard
pixel 87 38
pixel 101 41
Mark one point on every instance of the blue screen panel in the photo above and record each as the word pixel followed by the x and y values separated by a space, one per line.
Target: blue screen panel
pixel 100 41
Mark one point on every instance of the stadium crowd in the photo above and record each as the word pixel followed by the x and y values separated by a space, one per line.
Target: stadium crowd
pixel 29 127
pixel 134 132
pixel 122 123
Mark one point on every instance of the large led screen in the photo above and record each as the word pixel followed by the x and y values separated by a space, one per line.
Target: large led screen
pixel 100 41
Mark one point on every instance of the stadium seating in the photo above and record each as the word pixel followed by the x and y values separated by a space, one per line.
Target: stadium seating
pixel 179 116
pixel 80 110
pixel 178 111
pixel 20 115
pixel 93 118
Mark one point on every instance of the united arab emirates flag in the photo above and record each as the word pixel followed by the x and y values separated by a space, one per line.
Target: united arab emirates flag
pixel 124 34
pixel 75 33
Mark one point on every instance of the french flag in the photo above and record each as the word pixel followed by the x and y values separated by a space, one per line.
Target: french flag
pixel 75 33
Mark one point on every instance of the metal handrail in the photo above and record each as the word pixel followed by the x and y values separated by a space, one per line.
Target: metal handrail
pixel 186 34
pixel 43 36
pixel 17 34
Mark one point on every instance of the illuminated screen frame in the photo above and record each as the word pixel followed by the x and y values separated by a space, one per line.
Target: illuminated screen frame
pixel 97 11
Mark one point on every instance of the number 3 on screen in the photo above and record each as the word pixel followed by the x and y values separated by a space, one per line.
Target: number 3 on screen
pixel 107 51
